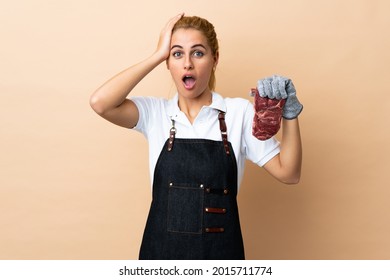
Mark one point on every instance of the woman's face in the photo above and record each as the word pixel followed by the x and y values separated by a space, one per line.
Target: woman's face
pixel 191 62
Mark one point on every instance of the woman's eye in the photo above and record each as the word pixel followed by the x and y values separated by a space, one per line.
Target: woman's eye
pixel 176 54
pixel 198 54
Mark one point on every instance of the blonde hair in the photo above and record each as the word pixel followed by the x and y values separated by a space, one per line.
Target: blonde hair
pixel 208 31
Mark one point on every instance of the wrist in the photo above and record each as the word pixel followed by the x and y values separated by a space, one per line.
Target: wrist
pixel 159 56
pixel 292 108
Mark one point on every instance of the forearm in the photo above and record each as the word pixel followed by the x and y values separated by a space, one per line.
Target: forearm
pixel 113 92
pixel 291 151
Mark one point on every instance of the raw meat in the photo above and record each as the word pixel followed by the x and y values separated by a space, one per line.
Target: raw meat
pixel 268 115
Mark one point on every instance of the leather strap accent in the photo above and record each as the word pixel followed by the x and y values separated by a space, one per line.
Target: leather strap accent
pixel 215 210
pixel 215 230
pixel 172 133
pixel 222 126
pixel 224 191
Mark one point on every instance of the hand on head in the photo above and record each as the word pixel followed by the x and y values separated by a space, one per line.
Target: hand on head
pixel 164 43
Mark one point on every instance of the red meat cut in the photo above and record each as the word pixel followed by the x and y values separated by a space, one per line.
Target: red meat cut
pixel 268 115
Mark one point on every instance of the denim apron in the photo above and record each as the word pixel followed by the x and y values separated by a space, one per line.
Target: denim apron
pixel 194 214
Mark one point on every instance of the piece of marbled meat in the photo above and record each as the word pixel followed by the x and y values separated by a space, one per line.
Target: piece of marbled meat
pixel 268 115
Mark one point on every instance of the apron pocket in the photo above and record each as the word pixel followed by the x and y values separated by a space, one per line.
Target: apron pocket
pixel 185 208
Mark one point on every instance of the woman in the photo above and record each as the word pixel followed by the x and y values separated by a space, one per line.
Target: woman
pixel 198 143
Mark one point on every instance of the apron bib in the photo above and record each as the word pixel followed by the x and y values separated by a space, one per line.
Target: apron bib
pixel 194 214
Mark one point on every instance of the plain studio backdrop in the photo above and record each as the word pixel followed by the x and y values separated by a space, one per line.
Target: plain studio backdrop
pixel 74 186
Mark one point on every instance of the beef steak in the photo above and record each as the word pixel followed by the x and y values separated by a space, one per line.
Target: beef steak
pixel 268 115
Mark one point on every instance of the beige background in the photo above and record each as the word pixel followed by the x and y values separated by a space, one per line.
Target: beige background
pixel 74 186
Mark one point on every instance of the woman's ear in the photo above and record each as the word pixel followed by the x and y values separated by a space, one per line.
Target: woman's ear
pixel 216 59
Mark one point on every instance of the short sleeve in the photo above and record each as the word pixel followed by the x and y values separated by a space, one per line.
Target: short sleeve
pixel 146 106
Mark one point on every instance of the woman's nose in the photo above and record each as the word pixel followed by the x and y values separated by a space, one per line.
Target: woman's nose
pixel 188 63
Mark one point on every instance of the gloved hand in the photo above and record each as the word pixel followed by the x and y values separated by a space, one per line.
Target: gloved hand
pixel 278 87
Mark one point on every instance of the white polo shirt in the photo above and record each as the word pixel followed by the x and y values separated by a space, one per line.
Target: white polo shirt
pixel 155 115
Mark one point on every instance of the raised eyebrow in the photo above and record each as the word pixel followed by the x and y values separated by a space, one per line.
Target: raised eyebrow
pixel 193 47
pixel 198 45
pixel 176 46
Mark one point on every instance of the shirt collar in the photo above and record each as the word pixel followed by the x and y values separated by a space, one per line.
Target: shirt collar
pixel 217 103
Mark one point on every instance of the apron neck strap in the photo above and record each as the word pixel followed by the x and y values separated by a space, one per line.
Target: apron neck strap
pixel 222 127
pixel 172 133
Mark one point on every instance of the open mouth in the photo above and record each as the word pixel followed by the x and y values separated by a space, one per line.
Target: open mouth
pixel 189 81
